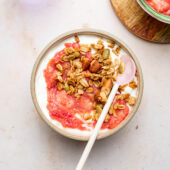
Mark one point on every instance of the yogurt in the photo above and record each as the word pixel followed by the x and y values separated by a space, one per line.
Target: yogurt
pixel 41 90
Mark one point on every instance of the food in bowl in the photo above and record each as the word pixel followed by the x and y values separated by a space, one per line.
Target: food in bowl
pixel 71 81
pixel 161 6
pixel 79 79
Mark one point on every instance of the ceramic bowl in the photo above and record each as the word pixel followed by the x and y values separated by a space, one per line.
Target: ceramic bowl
pixel 42 58
pixel 159 16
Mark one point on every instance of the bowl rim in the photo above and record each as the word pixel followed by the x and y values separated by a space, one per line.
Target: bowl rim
pixel 152 12
pixel 59 39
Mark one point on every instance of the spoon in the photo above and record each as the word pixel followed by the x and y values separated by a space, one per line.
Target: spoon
pixel 122 79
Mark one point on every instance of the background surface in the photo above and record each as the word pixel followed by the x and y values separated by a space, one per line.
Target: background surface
pixel 26 142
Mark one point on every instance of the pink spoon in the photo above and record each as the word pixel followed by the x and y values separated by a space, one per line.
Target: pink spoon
pixel 122 79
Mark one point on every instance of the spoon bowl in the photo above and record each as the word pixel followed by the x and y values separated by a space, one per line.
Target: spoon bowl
pixel 129 72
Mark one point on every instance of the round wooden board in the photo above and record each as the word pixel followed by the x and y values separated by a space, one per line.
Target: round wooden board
pixel 140 23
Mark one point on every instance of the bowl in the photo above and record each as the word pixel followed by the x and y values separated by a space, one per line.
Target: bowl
pixel 44 59
pixel 152 12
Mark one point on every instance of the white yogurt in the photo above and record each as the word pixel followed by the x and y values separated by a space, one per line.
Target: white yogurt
pixel 40 84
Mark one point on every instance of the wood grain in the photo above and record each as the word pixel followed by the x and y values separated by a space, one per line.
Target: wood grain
pixel 140 23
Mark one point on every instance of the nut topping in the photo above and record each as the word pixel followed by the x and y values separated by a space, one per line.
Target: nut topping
pixel 105 90
pixel 82 71
pixel 132 100
pixel 84 82
pixel 133 84
pixel 59 67
pixel 121 67
pixel 87 116
pixel 86 63
pixel 94 66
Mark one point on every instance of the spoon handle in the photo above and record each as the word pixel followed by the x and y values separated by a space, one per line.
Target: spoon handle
pixel 97 128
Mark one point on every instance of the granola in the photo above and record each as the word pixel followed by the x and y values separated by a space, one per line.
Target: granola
pixel 88 70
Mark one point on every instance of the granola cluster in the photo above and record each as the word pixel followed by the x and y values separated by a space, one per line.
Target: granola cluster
pixel 89 69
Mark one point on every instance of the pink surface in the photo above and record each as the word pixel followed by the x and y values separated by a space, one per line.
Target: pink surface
pixel 130 70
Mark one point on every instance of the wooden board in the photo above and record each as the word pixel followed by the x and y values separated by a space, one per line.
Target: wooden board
pixel 140 23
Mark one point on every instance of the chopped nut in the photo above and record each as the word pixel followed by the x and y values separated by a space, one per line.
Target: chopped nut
pixel 133 84
pixel 66 87
pixel 84 48
pixel 106 68
pixel 136 74
pixel 80 91
pixel 86 63
pixel 59 66
pixel 77 50
pixel 115 106
pixel 95 104
pixel 77 39
pixel 132 100
pixel 100 42
pixel 110 42
pixel 103 80
pixel 120 97
pixel 106 53
pixel 111 109
pixel 77 96
pixel 111 71
pixel 84 82
pixel 97 115
pixel 111 45
pixel 76 54
pixel 87 74
pixel 126 96
pixel 121 67
pixel 114 52
pixel 116 62
pixel 65 67
pixel 96 83
pixel 59 86
pixel 68 58
pixel 99 108
pixel 80 86
pixel 94 66
pixel 95 76
pixel 87 116
pixel 65 51
pixel 120 107
pixel 114 113
pixel 69 50
pixel 121 88
pixel 118 49
pixel 103 97
pixel 108 84
pixel 90 82
pixel 58 73
pixel 114 77
pixel 89 90
pixel 105 90
pixel 97 46
pixel 107 62
pixel 77 63
pixel 107 118
pixel 123 96
pixel 97 96
pixel 96 56
pixel 60 79
pixel 71 90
